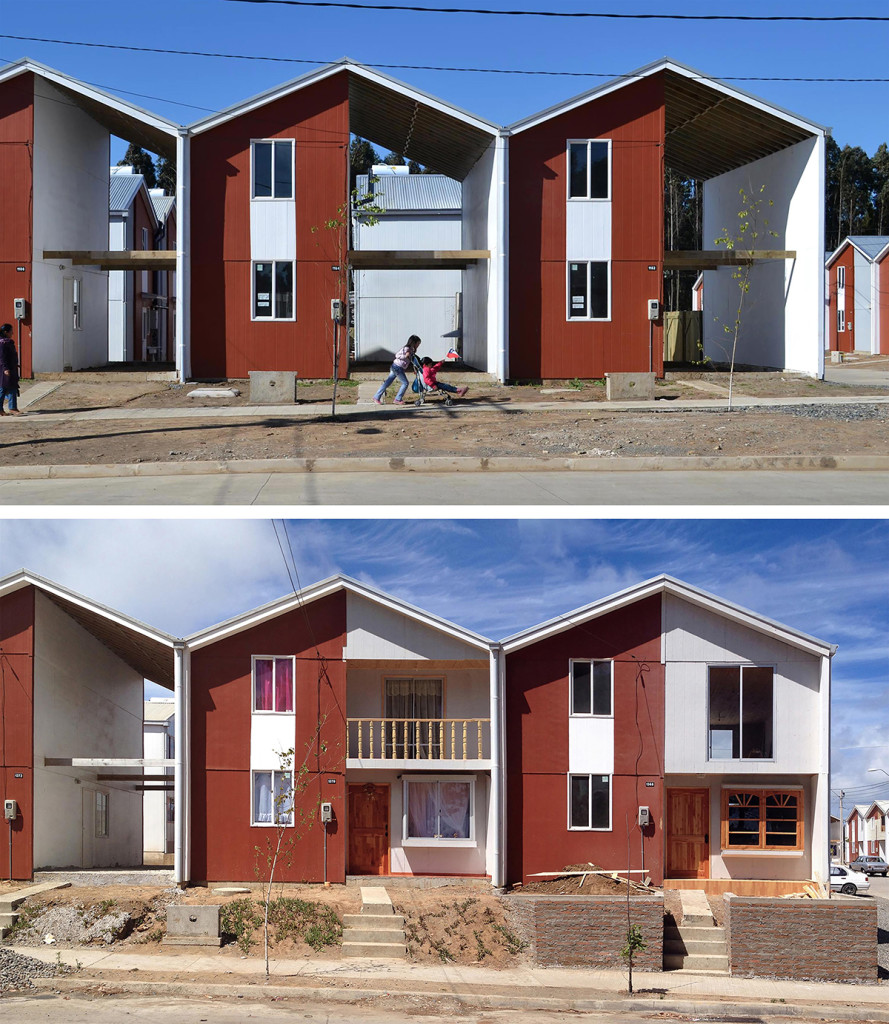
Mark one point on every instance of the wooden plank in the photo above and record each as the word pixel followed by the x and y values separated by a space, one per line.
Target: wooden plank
pixel 711 259
pixel 123 259
pixel 421 259
pixel 109 762
pixel 132 778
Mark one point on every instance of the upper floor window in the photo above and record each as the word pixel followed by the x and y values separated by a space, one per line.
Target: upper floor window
pixel 741 712
pixel 415 708
pixel 841 277
pixel 273 684
pixel 589 169
pixel 591 688
pixel 273 169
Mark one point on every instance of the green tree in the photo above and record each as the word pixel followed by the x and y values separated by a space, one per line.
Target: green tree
pixel 166 175
pixel 362 157
pixel 141 162
pixel 682 230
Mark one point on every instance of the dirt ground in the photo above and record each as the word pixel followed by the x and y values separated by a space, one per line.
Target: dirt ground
pixel 485 424
pixel 585 884
pixel 456 923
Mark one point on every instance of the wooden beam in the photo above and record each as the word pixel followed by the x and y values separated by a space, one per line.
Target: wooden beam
pixel 109 762
pixel 114 259
pixel 710 259
pixel 416 259
pixel 102 777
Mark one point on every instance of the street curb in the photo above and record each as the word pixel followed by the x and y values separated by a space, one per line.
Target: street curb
pixel 487 1001
pixel 456 464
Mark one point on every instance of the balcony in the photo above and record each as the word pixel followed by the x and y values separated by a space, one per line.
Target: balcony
pixel 461 743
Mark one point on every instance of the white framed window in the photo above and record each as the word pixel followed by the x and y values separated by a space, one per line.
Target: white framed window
pixel 841 277
pixel 841 320
pixel 145 245
pixel 592 688
pixel 76 304
pixel 273 297
pixel 273 684
pixel 101 829
pixel 741 712
pixel 589 802
pixel 589 290
pixel 589 168
pixel 272 168
pixel 438 810
pixel 272 798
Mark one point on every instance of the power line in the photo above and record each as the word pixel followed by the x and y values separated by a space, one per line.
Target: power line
pixel 608 75
pixel 601 15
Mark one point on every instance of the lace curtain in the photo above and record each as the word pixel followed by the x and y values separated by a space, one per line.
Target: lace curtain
pixel 438 810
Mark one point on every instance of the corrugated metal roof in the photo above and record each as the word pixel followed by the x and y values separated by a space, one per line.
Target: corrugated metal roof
pixel 415 191
pixel 870 245
pixel 123 189
pixel 158 710
pixel 162 206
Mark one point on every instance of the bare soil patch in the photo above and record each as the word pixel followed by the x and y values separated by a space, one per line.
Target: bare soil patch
pixel 585 884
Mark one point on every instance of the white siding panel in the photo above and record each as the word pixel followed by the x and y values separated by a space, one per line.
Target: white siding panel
pixel 270 735
pixel 481 316
pixel 588 230
pixel 696 638
pixel 412 231
pixel 385 324
pixel 273 229
pixel 591 745
pixel 375 632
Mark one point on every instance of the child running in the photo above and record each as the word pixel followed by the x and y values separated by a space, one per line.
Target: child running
pixel 400 364
pixel 430 378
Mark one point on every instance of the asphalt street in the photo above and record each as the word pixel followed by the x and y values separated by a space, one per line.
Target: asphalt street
pixel 672 488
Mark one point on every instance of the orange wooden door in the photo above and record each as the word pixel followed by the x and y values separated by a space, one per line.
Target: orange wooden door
pixel 368 829
pixel 688 833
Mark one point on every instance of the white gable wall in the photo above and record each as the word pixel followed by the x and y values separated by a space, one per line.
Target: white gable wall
pixel 782 324
pixel 483 282
pixel 861 309
pixel 71 156
pixel 87 703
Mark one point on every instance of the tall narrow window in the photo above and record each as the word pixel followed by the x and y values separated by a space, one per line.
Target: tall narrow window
pixel 273 684
pixel 591 688
pixel 76 304
pixel 741 712
pixel 588 290
pixel 589 169
pixel 589 802
pixel 273 290
pixel 273 169
pixel 101 829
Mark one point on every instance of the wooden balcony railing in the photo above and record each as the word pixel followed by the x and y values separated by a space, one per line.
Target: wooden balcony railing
pixel 422 739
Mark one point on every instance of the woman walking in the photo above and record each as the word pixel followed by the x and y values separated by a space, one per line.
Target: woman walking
pixel 400 364
pixel 9 372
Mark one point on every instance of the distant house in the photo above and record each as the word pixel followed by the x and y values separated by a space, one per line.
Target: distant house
pixel 159 736
pixel 855 831
pixel 858 295
pixel 875 821
pixel 422 212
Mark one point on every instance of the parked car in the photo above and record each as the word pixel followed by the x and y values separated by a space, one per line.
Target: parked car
pixel 870 865
pixel 847 881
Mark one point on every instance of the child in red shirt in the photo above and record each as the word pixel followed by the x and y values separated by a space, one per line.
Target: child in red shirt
pixel 430 378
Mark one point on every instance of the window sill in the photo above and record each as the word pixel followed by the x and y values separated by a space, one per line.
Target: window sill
pixel 763 853
pixel 432 842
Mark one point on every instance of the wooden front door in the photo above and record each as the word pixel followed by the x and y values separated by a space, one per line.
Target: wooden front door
pixel 688 833
pixel 368 829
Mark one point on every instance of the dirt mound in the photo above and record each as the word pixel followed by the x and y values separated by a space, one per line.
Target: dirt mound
pixel 585 884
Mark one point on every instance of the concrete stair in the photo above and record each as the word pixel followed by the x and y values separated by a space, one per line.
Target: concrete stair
pixel 696 945
pixel 377 931
pixel 11 901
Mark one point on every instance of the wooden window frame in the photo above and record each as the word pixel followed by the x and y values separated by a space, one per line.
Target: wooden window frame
pixel 762 794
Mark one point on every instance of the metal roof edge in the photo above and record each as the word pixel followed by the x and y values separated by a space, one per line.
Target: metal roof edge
pixel 94 92
pixel 22 578
pixel 323 588
pixel 662 64
pixel 325 71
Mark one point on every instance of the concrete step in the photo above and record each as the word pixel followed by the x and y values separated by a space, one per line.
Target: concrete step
pixel 11 900
pixel 684 946
pixel 375 949
pixel 391 922
pixel 377 935
pixel 695 933
pixel 695 962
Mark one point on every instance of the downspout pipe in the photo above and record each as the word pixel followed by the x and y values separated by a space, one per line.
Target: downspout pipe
pixel 497 750
pixel 502 295
pixel 180 816
pixel 183 255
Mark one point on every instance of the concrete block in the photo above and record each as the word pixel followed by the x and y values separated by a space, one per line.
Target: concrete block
pixel 625 387
pixel 272 387
pixel 836 357
pixel 197 925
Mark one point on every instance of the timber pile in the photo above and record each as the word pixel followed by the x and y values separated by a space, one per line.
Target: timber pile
pixel 591 879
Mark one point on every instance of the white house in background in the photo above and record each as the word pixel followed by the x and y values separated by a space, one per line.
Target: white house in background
pixel 875 820
pixel 855 831
pixel 159 730
pixel 422 211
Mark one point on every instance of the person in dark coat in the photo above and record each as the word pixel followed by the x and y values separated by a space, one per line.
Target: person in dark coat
pixel 9 372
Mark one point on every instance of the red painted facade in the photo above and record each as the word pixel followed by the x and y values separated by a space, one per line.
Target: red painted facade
pixel 537 722
pixel 16 202
pixel 225 341
pixel 842 341
pixel 223 840
pixel 543 343
pixel 17 722
pixel 883 289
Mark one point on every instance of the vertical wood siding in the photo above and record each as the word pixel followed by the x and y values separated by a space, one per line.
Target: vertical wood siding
pixel 16 151
pixel 542 343
pixel 223 840
pixel 842 341
pixel 537 745
pixel 225 341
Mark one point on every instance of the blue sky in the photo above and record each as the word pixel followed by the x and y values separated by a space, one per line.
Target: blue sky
pixel 496 576
pixel 594 48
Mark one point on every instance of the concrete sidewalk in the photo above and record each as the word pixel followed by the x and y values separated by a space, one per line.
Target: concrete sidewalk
pixel 184 972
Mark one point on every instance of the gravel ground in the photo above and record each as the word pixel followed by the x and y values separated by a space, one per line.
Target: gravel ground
pixel 18 971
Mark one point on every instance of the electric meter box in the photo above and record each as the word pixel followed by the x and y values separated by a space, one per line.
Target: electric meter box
pixel 337 310
pixel 654 309
pixel 10 810
pixel 644 816
pixel 326 813
pixel 19 309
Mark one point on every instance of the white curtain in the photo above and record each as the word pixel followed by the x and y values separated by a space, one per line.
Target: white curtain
pixel 422 810
pixel 438 810
pixel 262 797
pixel 454 810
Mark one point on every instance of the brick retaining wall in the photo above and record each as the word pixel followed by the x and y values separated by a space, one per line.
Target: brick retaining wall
pixel 589 931
pixel 812 940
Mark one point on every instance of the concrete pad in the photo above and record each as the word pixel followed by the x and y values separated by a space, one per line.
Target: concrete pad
pixel 214 393
pixel 694 905
pixel 376 899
